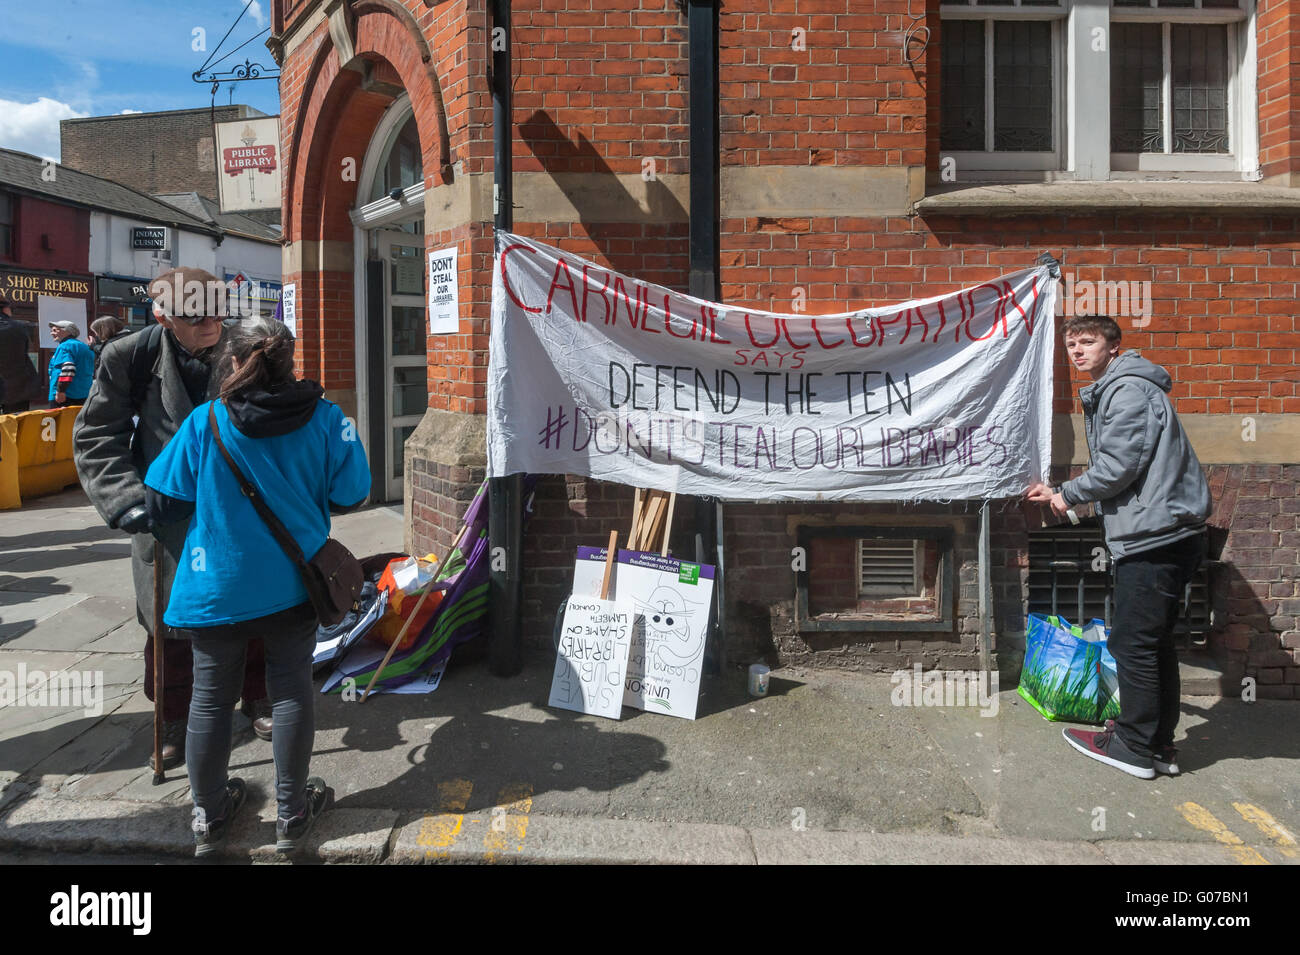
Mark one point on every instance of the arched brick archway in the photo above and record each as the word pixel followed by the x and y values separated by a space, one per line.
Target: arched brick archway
pixel 326 140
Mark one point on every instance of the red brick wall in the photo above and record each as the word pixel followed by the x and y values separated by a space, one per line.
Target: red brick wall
pixel 599 87
pixel 1223 288
pixel 836 94
pixel 1278 85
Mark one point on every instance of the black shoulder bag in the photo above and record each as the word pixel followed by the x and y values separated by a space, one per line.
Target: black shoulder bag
pixel 333 577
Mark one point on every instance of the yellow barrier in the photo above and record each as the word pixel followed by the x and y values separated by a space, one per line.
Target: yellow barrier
pixel 36 454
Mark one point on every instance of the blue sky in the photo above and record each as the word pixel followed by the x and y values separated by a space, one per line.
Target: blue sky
pixel 66 58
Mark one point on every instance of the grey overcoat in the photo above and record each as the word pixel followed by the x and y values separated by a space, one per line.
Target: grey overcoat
pixel 112 453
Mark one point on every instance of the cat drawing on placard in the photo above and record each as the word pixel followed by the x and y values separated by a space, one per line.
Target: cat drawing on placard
pixel 668 632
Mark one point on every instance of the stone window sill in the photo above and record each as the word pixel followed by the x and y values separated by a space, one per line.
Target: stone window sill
pixel 1072 198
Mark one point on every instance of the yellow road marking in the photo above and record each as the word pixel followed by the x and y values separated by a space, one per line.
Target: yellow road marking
pixel 1266 824
pixel 509 821
pixel 439 831
pixel 1201 818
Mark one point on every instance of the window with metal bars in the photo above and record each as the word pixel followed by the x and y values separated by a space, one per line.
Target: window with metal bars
pixel 1070 575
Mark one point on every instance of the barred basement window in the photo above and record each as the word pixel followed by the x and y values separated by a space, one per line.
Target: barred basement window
pixel 1070 575
pixel 889 568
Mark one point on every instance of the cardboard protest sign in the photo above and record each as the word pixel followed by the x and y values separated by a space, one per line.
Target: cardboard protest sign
pixel 444 292
pixel 671 600
pixel 596 373
pixel 592 658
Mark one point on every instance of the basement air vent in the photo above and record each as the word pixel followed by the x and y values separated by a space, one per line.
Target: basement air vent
pixel 889 568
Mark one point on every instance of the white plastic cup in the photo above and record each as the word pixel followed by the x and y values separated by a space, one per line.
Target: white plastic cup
pixel 758 677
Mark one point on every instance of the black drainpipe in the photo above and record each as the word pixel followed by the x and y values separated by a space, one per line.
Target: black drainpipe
pixel 505 495
pixel 702 42
pixel 703 81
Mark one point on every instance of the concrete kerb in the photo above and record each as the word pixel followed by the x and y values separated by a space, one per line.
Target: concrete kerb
pixel 370 836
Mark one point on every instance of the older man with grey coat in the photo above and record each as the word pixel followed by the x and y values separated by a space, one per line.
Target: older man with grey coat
pixel 146 386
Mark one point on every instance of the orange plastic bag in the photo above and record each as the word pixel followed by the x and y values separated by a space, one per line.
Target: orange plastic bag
pixel 400 608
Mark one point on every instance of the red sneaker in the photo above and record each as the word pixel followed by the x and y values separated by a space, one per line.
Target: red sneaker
pixel 1108 748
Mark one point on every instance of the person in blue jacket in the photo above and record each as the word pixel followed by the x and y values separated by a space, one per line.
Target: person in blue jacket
pixel 72 366
pixel 237 583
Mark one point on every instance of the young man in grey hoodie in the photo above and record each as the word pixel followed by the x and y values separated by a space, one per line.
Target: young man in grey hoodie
pixel 1153 500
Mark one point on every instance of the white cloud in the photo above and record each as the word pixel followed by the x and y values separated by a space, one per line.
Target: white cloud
pixel 255 11
pixel 127 112
pixel 34 127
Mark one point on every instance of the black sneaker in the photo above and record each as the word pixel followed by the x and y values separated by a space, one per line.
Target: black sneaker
pixel 291 832
pixel 210 833
pixel 1108 748
pixel 1163 760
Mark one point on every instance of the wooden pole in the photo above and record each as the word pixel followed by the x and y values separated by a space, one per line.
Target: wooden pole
pixel 668 524
pixel 636 520
pixel 158 638
pixel 610 553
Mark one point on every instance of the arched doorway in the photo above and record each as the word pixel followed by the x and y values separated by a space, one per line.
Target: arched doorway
pixel 390 291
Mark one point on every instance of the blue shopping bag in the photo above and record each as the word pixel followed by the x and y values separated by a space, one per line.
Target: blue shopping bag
pixel 1066 675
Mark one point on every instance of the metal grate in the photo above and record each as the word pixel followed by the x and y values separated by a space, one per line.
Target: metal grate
pixel 888 568
pixel 1064 579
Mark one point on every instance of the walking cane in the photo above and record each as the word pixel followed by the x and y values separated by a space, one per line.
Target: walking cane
pixel 158 638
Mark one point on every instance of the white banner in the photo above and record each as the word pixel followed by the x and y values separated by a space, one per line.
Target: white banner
pixel 248 163
pixel 595 373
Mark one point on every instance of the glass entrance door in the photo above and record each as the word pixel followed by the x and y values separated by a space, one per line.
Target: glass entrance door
pixel 406 394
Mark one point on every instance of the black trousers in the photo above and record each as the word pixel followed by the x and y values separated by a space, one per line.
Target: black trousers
pixel 1148 595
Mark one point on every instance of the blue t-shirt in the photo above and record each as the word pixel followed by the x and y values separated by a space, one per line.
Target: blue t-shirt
pixel 79 353
pixel 232 568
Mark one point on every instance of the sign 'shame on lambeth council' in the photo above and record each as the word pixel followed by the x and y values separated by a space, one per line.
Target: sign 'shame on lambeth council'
pixel 940 398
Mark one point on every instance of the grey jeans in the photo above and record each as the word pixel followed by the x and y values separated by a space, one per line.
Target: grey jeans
pixel 290 639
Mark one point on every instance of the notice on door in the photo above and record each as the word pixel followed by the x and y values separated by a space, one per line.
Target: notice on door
pixel 444 293
pixel 289 307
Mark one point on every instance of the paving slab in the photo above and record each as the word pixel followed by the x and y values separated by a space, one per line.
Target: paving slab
pixel 75 626
pixel 128 637
pixel 22 610
pixel 86 752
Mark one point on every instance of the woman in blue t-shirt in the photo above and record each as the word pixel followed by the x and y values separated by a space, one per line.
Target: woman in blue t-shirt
pixel 236 582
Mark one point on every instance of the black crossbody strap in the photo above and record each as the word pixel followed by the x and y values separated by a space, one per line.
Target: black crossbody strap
pixel 278 530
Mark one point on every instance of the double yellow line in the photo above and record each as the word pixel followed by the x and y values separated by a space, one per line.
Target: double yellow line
pixel 1201 818
pixel 507 823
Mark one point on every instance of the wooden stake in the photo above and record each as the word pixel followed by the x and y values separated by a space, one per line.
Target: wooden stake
pixel 650 529
pixel 159 687
pixel 636 520
pixel 668 524
pixel 609 564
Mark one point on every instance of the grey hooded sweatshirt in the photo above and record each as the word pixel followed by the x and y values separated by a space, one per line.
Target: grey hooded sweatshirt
pixel 1143 475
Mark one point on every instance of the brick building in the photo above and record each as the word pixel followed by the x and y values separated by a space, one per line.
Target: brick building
pixel 167 152
pixel 868 152
pixel 164 152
